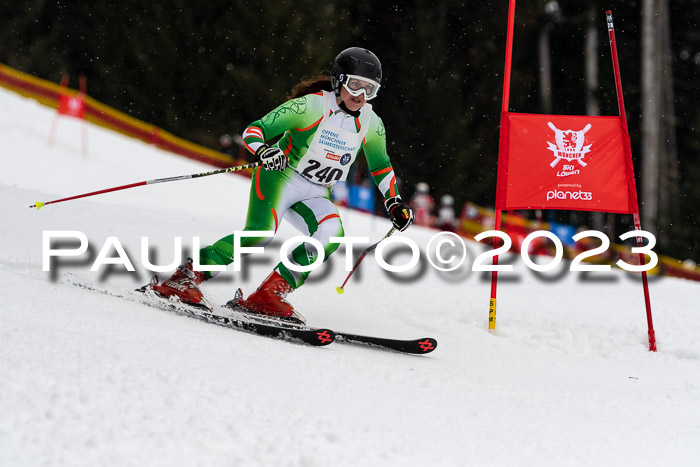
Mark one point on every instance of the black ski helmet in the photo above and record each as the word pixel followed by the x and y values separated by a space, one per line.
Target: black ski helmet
pixel 355 61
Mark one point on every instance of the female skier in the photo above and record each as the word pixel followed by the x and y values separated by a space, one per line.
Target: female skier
pixel 323 126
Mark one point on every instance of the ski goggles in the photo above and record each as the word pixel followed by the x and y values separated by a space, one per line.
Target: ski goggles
pixel 356 85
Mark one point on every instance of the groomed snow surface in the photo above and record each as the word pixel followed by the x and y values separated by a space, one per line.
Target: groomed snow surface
pixel 88 378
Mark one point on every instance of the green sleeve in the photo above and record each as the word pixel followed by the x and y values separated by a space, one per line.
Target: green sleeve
pixel 297 114
pixel 378 160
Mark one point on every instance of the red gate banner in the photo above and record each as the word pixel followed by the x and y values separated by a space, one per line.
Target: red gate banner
pixel 565 162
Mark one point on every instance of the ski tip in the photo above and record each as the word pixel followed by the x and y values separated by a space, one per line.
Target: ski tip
pixel 427 345
pixel 340 290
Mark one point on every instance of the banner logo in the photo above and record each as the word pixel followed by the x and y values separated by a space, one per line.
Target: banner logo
pixel 575 195
pixel 569 146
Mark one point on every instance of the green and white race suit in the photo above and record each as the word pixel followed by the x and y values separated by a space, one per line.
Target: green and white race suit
pixel 321 142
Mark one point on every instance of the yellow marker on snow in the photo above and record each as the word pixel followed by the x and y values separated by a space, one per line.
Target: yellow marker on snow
pixel 340 290
pixel 492 314
pixel 39 205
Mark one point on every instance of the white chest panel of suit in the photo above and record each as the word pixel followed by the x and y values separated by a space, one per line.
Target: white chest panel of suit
pixel 335 144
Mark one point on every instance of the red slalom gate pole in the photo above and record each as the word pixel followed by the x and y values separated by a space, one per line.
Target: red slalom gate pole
pixel 237 168
pixel 637 220
pixel 504 108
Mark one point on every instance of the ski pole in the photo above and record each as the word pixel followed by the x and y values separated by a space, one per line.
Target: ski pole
pixel 237 168
pixel 340 289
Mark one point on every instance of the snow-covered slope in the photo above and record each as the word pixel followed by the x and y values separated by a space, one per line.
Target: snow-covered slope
pixel 87 378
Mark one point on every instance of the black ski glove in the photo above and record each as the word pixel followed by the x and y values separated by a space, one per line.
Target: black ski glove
pixel 272 158
pixel 401 215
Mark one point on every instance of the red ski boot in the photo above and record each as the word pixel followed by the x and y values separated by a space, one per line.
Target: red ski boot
pixel 184 284
pixel 269 300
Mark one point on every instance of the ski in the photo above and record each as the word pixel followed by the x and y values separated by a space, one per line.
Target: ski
pixel 317 337
pixel 269 327
pixel 410 346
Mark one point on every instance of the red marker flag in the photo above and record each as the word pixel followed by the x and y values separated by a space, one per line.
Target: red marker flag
pixel 565 162
pixel 73 106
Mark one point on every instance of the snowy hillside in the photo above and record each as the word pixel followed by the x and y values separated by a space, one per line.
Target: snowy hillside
pixel 88 376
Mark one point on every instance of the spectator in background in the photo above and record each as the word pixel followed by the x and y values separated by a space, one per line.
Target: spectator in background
pixel 446 214
pixel 423 204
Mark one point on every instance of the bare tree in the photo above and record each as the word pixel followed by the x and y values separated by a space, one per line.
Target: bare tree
pixel 669 168
pixel 659 155
pixel 592 85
